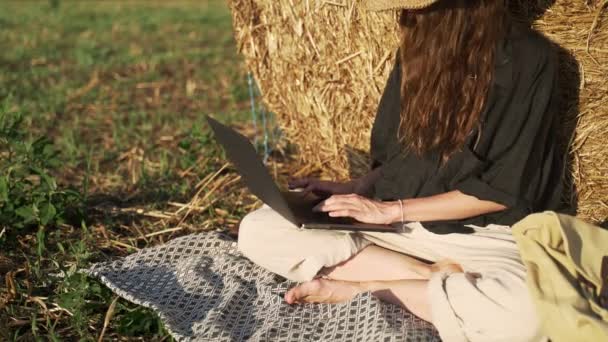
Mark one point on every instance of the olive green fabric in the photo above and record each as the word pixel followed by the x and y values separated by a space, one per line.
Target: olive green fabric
pixel 567 264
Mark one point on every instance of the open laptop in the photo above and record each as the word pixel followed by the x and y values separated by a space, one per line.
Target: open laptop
pixel 293 206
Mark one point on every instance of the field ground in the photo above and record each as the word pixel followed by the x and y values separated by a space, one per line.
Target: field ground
pixel 121 89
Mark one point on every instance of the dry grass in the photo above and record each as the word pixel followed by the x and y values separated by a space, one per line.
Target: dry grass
pixel 322 65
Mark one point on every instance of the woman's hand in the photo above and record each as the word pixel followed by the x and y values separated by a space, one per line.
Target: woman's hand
pixel 360 208
pixel 322 188
pixel 362 186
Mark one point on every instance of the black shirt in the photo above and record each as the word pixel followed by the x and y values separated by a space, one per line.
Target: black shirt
pixel 511 160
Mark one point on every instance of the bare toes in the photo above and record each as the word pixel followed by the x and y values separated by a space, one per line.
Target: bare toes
pixel 299 294
pixel 291 296
pixel 322 291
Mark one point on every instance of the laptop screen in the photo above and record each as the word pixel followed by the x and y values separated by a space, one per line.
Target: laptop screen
pixel 254 173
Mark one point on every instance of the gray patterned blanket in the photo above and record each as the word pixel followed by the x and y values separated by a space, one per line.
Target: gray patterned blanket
pixel 205 290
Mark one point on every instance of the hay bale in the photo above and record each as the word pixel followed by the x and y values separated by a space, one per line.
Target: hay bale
pixel 321 67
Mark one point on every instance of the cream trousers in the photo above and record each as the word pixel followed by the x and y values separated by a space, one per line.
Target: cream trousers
pixel 488 302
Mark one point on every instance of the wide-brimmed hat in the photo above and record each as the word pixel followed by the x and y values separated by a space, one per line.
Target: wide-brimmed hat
pixel 382 5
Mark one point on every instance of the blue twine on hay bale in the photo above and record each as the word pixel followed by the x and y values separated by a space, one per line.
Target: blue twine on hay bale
pixel 254 92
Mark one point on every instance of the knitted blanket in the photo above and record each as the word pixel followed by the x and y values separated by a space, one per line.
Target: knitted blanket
pixel 205 290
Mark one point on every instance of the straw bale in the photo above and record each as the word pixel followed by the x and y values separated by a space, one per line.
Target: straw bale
pixel 321 67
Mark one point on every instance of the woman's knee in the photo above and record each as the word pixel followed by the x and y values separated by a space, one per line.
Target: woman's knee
pixel 264 234
pixel 522 325
pixel 486 307
pixel 254 231
pixel 274 243
pixel 270 241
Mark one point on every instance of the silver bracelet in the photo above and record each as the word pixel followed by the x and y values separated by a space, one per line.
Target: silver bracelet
pixel 402 215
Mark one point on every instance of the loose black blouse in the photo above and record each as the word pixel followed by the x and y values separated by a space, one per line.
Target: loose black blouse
pixel 512 159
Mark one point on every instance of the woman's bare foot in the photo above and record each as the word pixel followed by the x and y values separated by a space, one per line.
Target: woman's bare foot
pixel 323 291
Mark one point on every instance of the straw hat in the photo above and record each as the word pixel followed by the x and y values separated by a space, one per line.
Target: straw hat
pixel 381 5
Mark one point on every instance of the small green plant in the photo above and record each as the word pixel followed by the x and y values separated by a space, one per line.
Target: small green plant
pixel 54 4
pixel 29 195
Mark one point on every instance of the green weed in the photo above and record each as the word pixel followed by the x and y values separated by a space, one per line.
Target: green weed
pixel 29 195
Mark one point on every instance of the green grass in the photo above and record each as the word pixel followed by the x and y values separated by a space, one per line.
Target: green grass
pixel 121 89
pixel 158 69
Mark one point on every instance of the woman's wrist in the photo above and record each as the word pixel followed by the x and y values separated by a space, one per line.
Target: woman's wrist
pixel 394 212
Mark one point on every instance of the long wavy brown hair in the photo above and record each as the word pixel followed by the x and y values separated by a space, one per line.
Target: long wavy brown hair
pixel 447 66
